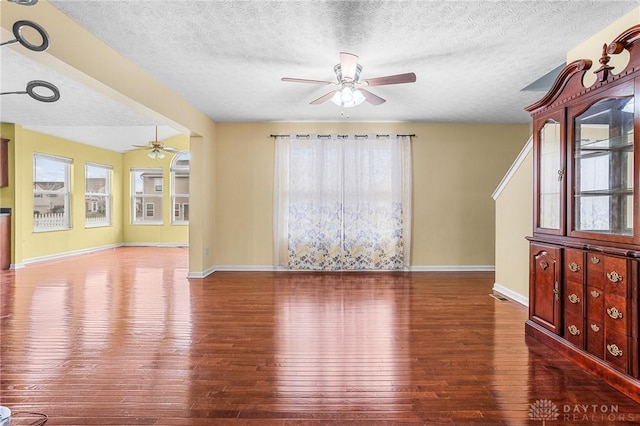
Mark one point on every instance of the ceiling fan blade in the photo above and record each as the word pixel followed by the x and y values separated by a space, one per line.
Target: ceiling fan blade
pixel 391 79
pixel 143 146
pixel 323 98
pixel 348 65
pixel 170 149
pixel 371 98
pixel 302 80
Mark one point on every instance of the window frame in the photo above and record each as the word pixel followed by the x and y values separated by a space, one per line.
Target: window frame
pixel 106 195
pixel 43 193
pixel 179 199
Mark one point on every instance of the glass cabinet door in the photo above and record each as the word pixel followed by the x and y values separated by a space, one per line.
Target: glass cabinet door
pixel 551 172
pixel 603 183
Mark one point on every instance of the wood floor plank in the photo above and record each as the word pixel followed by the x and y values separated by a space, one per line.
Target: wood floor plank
pixel 122 337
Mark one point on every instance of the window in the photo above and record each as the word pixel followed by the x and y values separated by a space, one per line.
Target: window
pixel 146 201
pixel 180 188
pixel 51 193
pixel 97 195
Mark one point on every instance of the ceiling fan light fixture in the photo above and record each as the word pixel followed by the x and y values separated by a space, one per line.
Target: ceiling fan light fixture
pixel 155 154
pixel 348 97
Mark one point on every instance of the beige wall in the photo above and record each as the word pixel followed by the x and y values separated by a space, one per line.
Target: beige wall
pixel 456 167
pixel 514 221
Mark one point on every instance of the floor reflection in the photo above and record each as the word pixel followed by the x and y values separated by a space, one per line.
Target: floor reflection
pixel 340 339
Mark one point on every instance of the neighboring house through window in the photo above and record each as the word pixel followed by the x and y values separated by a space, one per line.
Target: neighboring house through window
pixel 51 193
pixel 146 196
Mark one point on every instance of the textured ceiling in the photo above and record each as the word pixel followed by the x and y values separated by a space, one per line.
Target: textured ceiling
pixel 471 58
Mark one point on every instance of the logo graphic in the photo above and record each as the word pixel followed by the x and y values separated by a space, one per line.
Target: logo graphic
pixel 544 410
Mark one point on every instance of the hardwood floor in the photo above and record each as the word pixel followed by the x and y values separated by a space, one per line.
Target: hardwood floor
pixel 122 337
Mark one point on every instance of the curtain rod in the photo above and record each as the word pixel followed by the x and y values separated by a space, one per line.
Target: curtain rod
pixel 343 136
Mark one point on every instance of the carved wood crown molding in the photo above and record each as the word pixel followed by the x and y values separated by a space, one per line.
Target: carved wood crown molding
pixel 569 81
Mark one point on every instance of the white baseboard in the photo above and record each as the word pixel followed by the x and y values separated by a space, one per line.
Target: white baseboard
pixel 454 268
pixel 271 268
pixel 511 294
pixel 155 244
pixel 66 254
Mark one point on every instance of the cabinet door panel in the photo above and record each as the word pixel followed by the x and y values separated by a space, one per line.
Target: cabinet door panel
pixel 549 179
pixel 544 291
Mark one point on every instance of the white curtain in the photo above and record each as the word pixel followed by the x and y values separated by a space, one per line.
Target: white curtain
pixel 342 202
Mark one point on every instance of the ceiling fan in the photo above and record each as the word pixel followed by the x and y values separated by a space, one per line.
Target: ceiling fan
pixel 349 90
pixel 156 147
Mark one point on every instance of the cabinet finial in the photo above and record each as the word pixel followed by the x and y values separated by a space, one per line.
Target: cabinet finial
pixel 604 70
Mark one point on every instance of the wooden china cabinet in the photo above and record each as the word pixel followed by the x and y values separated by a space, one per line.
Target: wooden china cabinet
pixel 585 248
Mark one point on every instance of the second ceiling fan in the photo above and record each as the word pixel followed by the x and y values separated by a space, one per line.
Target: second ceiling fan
pixel 350 90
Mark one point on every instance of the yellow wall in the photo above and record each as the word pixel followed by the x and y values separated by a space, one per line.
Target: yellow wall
pixel 456 167
pixel 144 234
pixel 80 55
pixel 29 245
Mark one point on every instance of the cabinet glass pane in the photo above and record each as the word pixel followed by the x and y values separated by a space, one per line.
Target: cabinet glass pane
pixel 550 167
pixel 603 164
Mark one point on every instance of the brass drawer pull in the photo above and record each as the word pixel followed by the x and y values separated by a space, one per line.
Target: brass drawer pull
pixel 614 277
pixel 574 267
pixel 573 330
pixel 614 350
pixel 573 298
pixel 595 327
pixel 595 260
pixel 595 293
pixel 614 313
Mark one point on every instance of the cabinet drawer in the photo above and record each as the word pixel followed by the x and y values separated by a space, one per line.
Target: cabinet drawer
pixel 595 338
pixel 574 329
pixel 574 298
pixel 595 269
pixel 616 313
pixel 594 299
pixel 616 350
pixel 616 275
pixel 574 266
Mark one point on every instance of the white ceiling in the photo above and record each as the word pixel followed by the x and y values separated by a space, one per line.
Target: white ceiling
pixel 472 60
